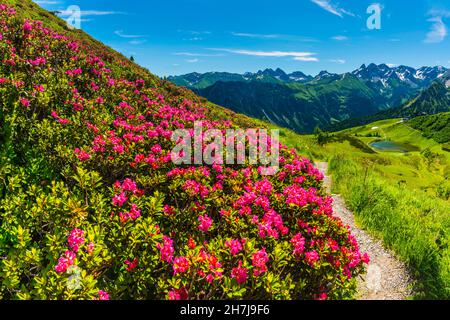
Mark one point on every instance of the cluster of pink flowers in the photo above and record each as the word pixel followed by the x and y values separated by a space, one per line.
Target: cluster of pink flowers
pixel 271 225
pixel 205 223
pixel 25 102
pixel 240 274
pixel 234 245
pixel 264 187
pixel 103 295
pixel 299 244
pixel 27 27
pixel 65 261
pixel 195 188
pixel 178 294
pixel 127 188
pixel 74 72
pixel 211 264
pixel 119 199
pixel 311 257
pixel 81 154
pixel 166 249
pixel 169 210
pixel 131 265
pixel 64 122
pixel 259 260
pixel 38 61
pixel 180 265
pixel 76 238
pixel 298 196
pixel 133 214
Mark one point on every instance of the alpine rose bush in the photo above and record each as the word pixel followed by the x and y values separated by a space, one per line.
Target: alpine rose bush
pixel 87 182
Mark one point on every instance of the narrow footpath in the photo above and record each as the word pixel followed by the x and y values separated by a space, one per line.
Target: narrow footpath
pixel 387 278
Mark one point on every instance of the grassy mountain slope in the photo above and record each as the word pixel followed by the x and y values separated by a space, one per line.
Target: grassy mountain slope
pixel 93 207
pixel 436 127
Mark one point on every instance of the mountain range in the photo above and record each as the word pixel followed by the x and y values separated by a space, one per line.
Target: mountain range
pixel 302 102
pixel 431 100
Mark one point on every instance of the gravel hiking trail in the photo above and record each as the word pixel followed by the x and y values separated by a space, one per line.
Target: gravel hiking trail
pixel 387 278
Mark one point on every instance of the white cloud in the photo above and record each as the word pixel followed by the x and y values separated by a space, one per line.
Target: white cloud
pixel 339 61
pixel 340 38
pixel 194 39
pixel 43 2
pixel 300 56
pixel 439 13
pixel 438 31
pixel 190 54
pixel 334 9
pixel 121 34
pixel 137 42
pixel 193 32
pixel 254 35
pixel 273 36
pixel 192 60
pixel 306 59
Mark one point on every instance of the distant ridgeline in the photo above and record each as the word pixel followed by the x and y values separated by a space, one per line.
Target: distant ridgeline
pixel 331 101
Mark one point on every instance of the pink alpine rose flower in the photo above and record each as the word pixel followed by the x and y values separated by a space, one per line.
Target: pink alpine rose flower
pixel 65 261
pixel 205 223
pixel 181 265
pixel 312 257
pixel 103 295
pixel 259 261
pixel 25 102
pixel 76 238
pixel 234 245
pixel 240 274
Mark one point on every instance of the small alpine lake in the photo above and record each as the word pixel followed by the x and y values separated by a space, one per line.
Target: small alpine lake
pixel 391 146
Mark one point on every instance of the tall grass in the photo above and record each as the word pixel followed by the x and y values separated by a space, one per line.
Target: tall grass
pixel 415 225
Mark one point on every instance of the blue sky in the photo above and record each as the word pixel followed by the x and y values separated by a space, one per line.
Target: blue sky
pixel 181 36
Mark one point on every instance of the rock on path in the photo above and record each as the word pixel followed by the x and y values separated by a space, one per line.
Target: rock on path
pixel 387 278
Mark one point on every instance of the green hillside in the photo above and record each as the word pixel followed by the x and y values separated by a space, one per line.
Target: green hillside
pixel 94 205
pixel 436 127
